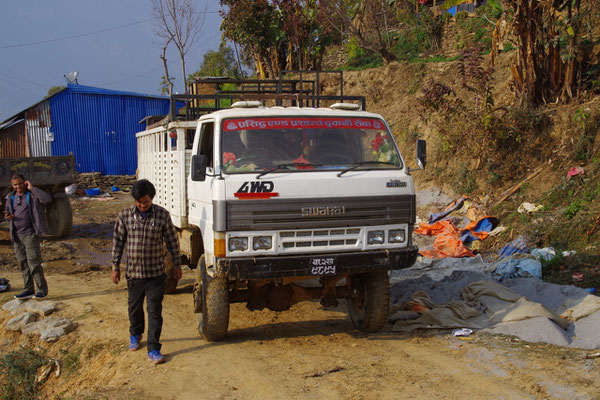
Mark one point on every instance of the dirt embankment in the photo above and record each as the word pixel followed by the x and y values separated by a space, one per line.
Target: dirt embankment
pixel 306 352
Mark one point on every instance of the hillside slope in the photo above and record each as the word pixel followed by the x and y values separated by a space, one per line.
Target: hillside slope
pixel 548 141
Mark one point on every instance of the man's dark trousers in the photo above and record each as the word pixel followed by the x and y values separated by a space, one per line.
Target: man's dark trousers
pixel 153 289
pixel 27 251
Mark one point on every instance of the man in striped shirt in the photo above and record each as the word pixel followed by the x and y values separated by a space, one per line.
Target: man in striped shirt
pixel 140 230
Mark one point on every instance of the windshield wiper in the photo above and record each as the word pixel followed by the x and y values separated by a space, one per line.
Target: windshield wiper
pixel 279 167
pixel 360 164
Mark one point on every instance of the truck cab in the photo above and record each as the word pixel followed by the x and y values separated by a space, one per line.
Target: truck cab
pixel 277 205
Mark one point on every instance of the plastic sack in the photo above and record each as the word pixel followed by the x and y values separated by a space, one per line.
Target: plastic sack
pixel 518 266
pixel 71 189
pixel 546 254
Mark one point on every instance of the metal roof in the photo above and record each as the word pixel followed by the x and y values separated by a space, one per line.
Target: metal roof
pixel 96 90
pixel 76 88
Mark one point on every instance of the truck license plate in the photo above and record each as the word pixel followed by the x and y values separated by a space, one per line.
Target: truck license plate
pixel 322 266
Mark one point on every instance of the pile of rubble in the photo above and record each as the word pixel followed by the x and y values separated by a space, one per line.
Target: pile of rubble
pixel 105 182
pixel 32 318
pixel 453 293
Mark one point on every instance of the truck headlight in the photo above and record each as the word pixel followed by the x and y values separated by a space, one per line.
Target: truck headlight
pixel 262 243
pixel 375 237
pixel 238 244
pixel 397 236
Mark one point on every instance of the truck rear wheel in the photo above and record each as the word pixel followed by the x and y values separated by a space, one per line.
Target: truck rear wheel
pixel 370 306
pixel 213 321
pixel 59 216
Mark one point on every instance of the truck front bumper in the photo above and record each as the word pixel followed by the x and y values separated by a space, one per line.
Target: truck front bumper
pixel 304 264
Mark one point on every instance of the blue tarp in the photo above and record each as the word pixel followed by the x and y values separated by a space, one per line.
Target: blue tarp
pixel 516 246
pixel 483 225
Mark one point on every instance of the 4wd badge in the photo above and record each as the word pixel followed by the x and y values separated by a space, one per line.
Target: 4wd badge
pixel 396 183
pixel 256 190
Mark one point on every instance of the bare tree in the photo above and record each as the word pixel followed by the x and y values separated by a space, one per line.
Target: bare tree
pixel 178 21
pixel 167 79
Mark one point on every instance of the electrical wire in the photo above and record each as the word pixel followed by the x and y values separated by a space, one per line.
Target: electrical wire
pixel 20 88
pixel 25 79
pixel 12 46
pixel 74 36
pixel 158 68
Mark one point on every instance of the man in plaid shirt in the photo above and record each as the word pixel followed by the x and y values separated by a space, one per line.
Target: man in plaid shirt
pixel 140 230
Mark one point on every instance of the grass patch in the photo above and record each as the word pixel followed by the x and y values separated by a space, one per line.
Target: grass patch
pixel 18 371
pixel 95 348
pixel 70 363
pixel 563 270
pixel 437 58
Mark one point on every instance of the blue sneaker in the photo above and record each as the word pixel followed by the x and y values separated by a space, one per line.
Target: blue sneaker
pixel 156 357
pixel 24 295
pixel 40 295
pixel 134 342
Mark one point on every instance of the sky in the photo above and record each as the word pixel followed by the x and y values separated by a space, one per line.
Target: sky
pixel 125 56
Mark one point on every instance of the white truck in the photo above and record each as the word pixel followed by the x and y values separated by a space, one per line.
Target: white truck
pixel 269 200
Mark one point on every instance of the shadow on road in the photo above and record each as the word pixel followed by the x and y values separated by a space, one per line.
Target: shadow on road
pixel 87 294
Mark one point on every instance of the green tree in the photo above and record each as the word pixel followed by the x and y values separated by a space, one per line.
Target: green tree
pixel 217 63
pixel 307 37
pixel 257 27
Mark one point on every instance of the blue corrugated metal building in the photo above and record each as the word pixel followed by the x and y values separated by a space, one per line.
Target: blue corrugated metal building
pixel 97 125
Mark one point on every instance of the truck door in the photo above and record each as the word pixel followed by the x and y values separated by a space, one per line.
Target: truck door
pixel 200 194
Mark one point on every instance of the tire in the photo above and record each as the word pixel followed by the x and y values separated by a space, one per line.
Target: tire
pixel 213 322
pixel 59 216
pixel 369 308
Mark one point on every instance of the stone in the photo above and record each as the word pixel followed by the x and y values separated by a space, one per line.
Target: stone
pixel 20 321
pixel 14 306
pixel 53 334
pixel 42 308
pixel 51 328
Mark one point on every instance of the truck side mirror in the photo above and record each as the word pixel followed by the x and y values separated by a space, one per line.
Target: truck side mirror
pixel 198 168
pixel 421 153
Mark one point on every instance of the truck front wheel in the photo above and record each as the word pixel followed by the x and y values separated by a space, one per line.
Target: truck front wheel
pixel 59 216
pixel 213 321
pixel 370 305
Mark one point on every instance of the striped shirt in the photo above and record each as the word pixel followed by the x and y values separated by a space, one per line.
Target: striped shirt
pixel 142 239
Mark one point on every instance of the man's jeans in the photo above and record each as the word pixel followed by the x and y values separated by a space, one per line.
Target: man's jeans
pixel 29 256
pixel 153 289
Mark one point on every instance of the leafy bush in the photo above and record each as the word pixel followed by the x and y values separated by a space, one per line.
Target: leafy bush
pixel 477 29
pixel 359 58
pixel 585 125
pixel 466 183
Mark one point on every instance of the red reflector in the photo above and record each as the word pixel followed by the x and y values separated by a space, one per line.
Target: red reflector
pixel 254 196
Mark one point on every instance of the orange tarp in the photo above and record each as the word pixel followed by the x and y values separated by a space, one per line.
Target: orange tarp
pixel 447 243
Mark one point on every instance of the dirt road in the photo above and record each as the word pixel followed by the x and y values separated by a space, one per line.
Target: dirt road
pixel 307 352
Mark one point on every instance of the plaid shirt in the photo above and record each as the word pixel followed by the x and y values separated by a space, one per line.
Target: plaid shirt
pixel 143 242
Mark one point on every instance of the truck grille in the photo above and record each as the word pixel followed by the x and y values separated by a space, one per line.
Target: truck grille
pixel 325 238
pixel 290 215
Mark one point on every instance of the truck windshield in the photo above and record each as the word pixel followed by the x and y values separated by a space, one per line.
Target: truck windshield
pixel 305 143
